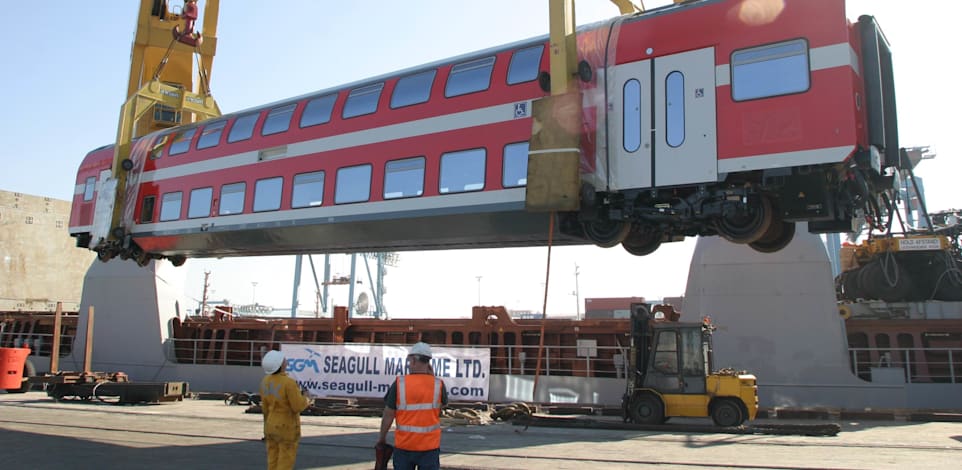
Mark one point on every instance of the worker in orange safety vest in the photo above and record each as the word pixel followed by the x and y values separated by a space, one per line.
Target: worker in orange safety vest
pixel 414 401
pixel 281 403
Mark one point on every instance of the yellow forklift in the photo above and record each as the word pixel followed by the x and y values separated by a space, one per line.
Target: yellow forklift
pixel 670 373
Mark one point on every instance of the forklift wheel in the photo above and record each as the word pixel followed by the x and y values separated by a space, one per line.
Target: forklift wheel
pixel 726 413
pixel 646 409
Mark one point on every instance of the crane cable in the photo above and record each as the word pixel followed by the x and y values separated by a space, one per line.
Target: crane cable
pixel 544 306
pixel 202 73
pixel 163 62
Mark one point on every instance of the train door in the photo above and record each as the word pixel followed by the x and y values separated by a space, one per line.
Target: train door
pixel 103 207
pixel 662 121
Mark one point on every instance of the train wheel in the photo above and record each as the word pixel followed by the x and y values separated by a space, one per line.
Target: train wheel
pixel 606 233
pixel 104 255
pixel 726 413
pixel 749 225
pixel 641 242
pixel 778 236
pixel 178 260
pixel 143 258
pixel 646 409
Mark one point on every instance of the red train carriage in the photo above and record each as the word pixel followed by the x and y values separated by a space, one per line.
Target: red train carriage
pixel 706 118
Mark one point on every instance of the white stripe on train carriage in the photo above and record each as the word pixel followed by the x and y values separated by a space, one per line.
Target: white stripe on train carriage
pixel 81 229
pixel 820 58
pixel 558 150
pixel 785 159
pixel 433 125
pixel 503 197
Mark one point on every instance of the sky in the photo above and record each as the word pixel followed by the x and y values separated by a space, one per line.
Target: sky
pixel 66 78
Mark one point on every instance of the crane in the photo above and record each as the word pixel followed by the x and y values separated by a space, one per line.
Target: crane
pixel 162 84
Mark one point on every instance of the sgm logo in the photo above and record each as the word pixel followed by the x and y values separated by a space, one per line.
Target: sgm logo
pixel 298 365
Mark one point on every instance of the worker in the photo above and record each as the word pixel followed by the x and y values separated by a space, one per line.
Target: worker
pixel 415 401
pixel 281 403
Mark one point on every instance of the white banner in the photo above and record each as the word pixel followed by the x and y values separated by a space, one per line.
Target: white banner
pixel 368 370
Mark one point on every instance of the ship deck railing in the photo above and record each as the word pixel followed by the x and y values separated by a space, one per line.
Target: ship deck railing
pixel 597 361
pixel 908 365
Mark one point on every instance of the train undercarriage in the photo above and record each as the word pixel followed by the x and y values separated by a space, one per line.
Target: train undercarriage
pixel 759 210
pixel 125 248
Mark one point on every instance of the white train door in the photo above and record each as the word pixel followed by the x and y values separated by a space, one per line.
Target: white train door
pixel 103 208
pixel 662 121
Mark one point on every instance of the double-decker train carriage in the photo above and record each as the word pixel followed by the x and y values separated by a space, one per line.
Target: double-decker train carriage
pixel 730 118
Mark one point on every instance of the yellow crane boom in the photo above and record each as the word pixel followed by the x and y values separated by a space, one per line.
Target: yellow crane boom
pixel 162 80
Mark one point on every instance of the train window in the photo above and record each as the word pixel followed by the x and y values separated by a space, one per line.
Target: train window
pixel 200 200
pixel 267 194
pixel 515 165
pixel 210 136
pixel 404 178
pixel 362 100
pixel 232 199
pixel 181 142
pixel 318 111
pixel 469 77
pixel 243 128
pixel 170 206
pixel 631 121
pixel 353 184
pixel 278 120
pixel 675 109
pixel 772 70
pixel 462 171
pixel 89 186
pixel 524 65
pixel 308 190
pixel 147 209
pixel 412 89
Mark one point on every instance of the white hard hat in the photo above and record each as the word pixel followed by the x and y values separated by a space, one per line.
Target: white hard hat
pixel 272 361
pixel 420 349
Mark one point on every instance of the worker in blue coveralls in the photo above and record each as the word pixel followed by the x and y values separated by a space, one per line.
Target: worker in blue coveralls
pixel 281 403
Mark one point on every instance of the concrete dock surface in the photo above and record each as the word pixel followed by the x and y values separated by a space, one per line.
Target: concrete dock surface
pixel 39 433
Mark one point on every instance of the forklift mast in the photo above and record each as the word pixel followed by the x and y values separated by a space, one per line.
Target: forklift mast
pixel 641 339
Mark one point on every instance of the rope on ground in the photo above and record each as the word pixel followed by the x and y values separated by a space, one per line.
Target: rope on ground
pixel 464 416
pixel 512 411
pixel 242 398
